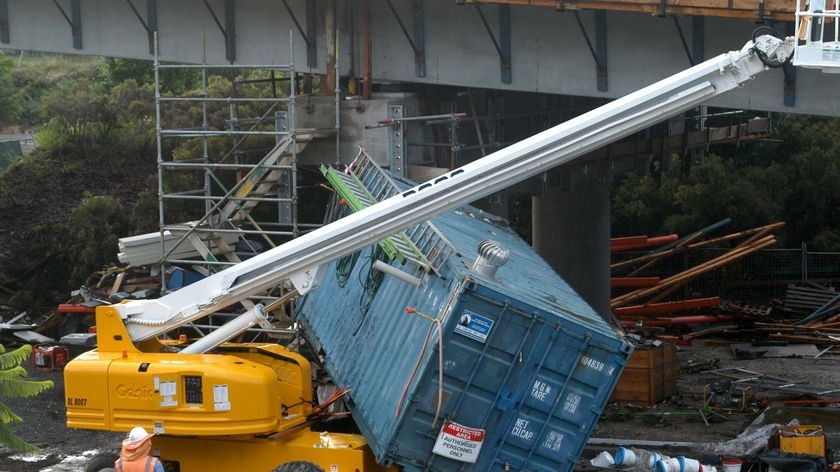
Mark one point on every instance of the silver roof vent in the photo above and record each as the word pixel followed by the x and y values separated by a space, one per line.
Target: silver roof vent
pixel 491 256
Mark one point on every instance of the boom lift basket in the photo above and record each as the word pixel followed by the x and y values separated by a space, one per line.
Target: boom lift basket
pixel 818 35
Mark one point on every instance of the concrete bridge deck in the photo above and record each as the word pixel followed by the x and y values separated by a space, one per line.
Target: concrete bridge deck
pixel 586 48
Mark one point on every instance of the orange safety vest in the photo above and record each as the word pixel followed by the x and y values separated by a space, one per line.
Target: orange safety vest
pixel 137 465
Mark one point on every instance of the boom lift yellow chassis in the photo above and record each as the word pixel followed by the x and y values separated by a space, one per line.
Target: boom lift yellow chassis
pixel 245 409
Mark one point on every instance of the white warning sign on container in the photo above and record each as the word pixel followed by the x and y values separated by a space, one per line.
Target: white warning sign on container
pixel 475 326
pixel 459 442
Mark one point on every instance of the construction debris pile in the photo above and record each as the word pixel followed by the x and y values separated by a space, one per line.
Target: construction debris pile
pixel 76 314
pixel 773 447
pixel 72 323
pixel 669 308
pixel 642 460
pixel 679 299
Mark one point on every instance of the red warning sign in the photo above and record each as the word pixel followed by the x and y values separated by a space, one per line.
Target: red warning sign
pixel 459 442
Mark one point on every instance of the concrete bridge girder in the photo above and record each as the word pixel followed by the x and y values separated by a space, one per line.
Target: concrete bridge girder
pixel 548 52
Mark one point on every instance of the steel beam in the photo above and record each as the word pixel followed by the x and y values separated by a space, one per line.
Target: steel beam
pixel 417 42
pixel 503 44
pixel 228 29
pixel 790 85
pixel 683 41
pixel 698 38
pixel 74 20
pixel 76 26
pixel 311 55
pixel 215 18
pixel 790 74
pixel 150 23
pixel 601 48
pixel 311 33
pixel 367 51
pixel 4 22
pixel 599 51
pixel 419 38
pixel 504 40
pixel 329 83
pixel 696 52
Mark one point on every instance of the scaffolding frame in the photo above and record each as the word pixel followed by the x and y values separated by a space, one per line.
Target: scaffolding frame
pixel 214 229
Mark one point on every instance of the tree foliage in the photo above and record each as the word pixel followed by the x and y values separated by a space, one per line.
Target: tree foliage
pixel 36 75
pixel 13 384
pixel 65 204
pixel 85 115
pixel 173 81
pixel 91 178
pixel 792 180
pixel 99 221
pixel 7 106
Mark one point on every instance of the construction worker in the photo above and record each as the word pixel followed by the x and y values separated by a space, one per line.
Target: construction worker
pixel 135 456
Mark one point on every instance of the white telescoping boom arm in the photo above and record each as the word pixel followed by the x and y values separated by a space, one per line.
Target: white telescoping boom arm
pixel 299 259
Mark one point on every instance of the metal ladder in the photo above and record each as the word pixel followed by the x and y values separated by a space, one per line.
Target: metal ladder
pixel 364 184
pixel 262 179
pixel 259 181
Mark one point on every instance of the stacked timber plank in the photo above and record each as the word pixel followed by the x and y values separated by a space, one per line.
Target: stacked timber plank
pixel 653 304
pixel 820 334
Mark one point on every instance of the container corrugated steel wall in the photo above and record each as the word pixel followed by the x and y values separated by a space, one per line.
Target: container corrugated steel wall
pixel 536 377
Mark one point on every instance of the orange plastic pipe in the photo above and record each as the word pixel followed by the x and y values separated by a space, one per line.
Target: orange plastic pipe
pixel 621 241
pixel 681 320
pixel 634 281
pixel 667 307
pixel 650 242
pixel 72 308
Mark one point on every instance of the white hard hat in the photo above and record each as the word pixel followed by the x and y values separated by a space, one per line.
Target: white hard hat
pixel 137 434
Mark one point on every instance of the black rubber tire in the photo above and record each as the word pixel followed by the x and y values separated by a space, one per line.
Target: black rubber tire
pixel 102 462
pixel 298 466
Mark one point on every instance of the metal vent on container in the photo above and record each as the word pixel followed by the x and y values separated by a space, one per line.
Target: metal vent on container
pixel 491 256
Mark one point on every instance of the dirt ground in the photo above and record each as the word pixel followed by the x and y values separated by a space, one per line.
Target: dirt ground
pixel 44 426
pixel 677 420
pixel 65 450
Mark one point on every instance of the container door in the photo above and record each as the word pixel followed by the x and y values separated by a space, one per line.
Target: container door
pixel 559 397
pixel 486 343
pixel 521 391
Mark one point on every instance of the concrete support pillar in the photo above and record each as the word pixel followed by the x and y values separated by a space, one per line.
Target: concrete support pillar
pixel 571 229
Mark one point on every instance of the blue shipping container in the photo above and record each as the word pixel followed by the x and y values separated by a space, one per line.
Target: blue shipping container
pixel 527 365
